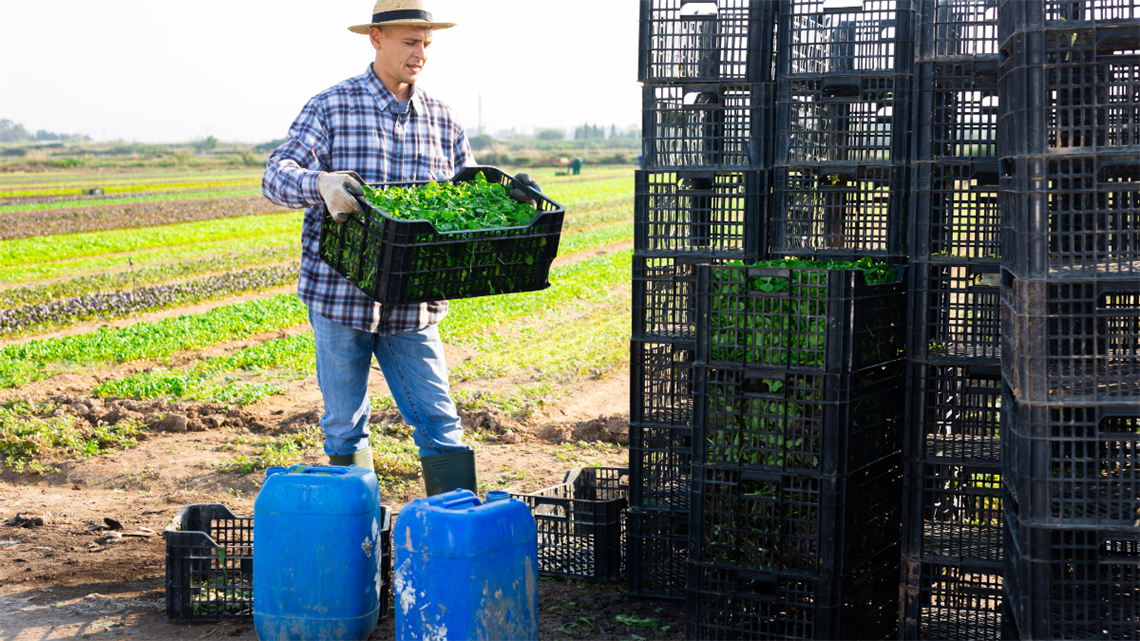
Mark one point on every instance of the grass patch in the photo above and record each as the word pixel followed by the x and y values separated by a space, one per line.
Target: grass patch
pixel 31 442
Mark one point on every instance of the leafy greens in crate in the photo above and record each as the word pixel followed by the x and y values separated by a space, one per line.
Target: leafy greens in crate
pixel 454 207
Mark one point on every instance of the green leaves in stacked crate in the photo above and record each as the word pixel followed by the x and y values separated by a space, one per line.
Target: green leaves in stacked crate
pixel 777 320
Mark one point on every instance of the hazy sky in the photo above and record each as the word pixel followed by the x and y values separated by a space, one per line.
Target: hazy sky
pixel 170 71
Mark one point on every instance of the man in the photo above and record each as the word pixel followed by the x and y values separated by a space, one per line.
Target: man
pixel 378 127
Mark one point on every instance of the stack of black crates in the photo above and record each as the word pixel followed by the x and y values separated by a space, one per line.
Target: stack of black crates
pixel 702 197
pixel 952 534
pixel 1069 139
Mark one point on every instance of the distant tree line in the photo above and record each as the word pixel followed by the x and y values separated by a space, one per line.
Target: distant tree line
pixel 15 132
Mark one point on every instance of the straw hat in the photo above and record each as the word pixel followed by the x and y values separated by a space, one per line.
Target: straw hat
pixel 410 12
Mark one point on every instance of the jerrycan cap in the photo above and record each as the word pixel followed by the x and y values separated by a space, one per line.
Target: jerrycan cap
pixel 497 495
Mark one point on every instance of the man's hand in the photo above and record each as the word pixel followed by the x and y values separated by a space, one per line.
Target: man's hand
pixel 337 190
pixel 521 195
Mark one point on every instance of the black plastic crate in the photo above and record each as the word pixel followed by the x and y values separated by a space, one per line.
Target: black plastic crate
pixel 1073 466
pixel 724 127
pixel 662 383
pixel 408 261
pixel 952 512
pixel 1071 341
pixel 713 214
pixel 581 523
pixel 656 546
pixel 1021 15
pixel 954 413
pixel 1070 91
pixel 1078 583
pixel 846 37
pixel 209 565
pixel 790 524
pixel 843 120
pixel 822 320
pixel 956 111
pixel 952 601
pixel 955 212
pixel 665 299
pixel 809 424
pixel 954 316
pixel 660 468
pixel 684 41
pixel 1071 218
pixel 728 603
pixel 839 212
pixel 957 29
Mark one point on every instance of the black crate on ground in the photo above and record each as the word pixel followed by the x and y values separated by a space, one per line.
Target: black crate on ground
pixel 809 526
pixel 660 462
pixel 713 214
pixel 804 423
pixel 956 111
pixel 822 37
pixel 665 299
pixel 954 413
pixel 728 603
pixel 656 546
pixel 1071 341
pixel 662 383
pixel 209 565
pixel 1071 218
pixel 843 120
pixel 581 523
pixel 720 126
pixel 952 601
pixel 408 261
pixel 952 512
pixel 724 41
pixel 1070 91
pixel 1021 15
pixel 1073 466
pixel 799 318
pixel 956 30
pixel 839 212
pixel 955 212
pixel 1078 583
pixel 954 315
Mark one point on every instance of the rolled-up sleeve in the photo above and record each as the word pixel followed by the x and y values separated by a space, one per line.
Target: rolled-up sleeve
pixel 293 170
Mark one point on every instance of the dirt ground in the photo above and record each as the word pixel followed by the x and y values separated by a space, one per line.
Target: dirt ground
pixel 70 577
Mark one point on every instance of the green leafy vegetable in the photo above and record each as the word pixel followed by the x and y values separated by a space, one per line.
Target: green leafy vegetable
pixel 477 204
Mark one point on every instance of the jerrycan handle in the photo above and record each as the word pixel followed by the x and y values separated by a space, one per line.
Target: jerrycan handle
pixel 305 469
pixel 463 499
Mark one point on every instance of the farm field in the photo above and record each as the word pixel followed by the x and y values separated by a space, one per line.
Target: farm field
pixel 154 354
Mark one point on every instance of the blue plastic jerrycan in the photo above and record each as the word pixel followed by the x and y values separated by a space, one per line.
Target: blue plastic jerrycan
pixel 464 569
pixel 316 554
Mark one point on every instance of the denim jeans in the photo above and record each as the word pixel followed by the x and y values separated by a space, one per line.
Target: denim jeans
pixel 414 367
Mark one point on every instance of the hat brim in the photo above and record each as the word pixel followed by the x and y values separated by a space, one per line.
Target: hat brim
pixel 364 28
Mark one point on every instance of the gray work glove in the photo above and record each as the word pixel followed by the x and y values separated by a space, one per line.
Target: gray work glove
pixel 337 190
pixel 522 196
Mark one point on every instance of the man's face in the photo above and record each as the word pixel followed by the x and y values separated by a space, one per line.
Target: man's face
pixel 401 51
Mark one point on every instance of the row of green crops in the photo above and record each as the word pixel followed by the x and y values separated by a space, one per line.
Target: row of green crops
pixel 123 200
pixel 31 319
pixel 54 248
pixel 36 359
pixel 103 178
pixel 212 183
pixel 582 284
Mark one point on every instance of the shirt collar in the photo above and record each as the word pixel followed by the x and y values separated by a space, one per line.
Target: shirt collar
pixel 386 98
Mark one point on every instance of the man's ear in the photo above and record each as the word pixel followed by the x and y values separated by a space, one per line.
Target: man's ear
pixel 376 35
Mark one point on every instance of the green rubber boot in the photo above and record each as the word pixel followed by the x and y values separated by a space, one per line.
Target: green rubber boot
pixel 359 458
pixel 450 471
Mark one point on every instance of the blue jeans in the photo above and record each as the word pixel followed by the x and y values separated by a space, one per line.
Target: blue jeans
pixel 414 367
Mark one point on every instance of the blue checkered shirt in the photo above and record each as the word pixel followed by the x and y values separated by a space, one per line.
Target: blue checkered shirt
pixel 356 126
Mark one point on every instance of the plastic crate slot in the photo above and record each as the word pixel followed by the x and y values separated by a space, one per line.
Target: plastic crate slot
pixel 714 214
pixel 957 111
pixel 956 312
pixel 840 212
pixel 660 461
pixel 726 40
pixel 843 120
pixel 958 29
pixel 952 601
pixel 841 36
pixel 657 544
pixel 708 126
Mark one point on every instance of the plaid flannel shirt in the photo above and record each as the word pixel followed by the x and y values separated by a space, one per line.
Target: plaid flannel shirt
pixel 355 126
